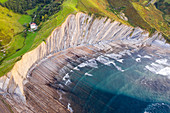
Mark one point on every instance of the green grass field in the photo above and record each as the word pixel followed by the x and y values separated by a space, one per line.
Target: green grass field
pixel 8 63
pixel 25 19
pixel 57 19
pixel 30 12
pixel 9 25
pixel 2 1
pixel 137 14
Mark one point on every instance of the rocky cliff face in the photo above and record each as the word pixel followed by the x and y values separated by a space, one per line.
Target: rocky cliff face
pixel 77 30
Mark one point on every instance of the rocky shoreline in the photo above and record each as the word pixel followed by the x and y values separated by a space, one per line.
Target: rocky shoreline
pixel 70 41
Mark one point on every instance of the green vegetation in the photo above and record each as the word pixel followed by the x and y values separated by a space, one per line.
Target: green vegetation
pixel 21 6
pixel 27 45
pixel 44 11
pixel 141 14
pixel 133 17
pixel 9 25
pixel 163 5
pixel 153 17
pixel 52 13
pixel 34 39
pixel 8 63
pixel 55 20
pixel 31 11
pixel 3 1
pixel 25 19
pixel 98 8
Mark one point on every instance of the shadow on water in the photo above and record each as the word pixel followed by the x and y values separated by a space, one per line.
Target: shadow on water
pixel 103 102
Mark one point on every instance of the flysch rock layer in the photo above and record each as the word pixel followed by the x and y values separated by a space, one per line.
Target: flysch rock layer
pixel 77 30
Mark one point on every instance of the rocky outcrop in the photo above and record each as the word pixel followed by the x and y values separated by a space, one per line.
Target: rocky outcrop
pixel 77 30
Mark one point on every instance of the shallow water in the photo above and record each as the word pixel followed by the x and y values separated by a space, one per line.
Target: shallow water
pixel 120 83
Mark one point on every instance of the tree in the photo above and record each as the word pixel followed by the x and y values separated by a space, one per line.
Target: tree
pixel 46 16
pixel 43 18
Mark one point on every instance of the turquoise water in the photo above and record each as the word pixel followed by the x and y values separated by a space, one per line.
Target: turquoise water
pixel 126 84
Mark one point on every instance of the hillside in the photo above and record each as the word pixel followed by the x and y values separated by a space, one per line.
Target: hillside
pixel 42 75
pixel 9 27
pixel 129 12
pixel 80 45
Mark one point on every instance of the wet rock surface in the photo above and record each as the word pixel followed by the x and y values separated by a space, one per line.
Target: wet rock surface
pixel 34 84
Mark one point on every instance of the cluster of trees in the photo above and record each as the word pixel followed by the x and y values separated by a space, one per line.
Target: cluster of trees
pixel 20 6
pixel 44 11
pixel 163 6
pixel 45 8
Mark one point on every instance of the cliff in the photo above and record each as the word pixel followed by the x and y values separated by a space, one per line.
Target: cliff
pixel 77 30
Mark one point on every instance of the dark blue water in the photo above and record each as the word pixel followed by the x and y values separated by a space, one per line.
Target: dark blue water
pixel 119 86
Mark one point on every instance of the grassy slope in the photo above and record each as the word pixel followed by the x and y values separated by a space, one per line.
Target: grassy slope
pixel 68 7
pixel 133 17
pixel 8 63
pixel 18 44
pixel 2 1
pixel 140 15
pixel 98 7
pixel 72 7
pixel 32 10
pixel 9 25
pixel 25 19
pixel 153 17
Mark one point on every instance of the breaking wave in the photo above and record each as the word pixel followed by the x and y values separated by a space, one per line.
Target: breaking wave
pixel 160 67
pixel 157 108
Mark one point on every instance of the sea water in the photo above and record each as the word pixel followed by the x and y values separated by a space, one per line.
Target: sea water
pixel 120 83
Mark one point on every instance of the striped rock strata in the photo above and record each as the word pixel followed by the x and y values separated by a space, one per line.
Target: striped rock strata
pixel 77 30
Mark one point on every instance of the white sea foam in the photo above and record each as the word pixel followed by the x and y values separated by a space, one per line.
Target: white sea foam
pixel 69 108
pixel 154 68
pixel 138 59
pixel 71 70
pixel 117 67
pixel 152 108
pixel 165 71
pixel 162 61
pixel 147 56
pixel 67 82
pixel 160 67
pixel 115 56
pixel 82 65
pixel 90 63
pixel 102 59
pixel 119 55
pixel 61 85
pixel 150 69
pixel 108 62
pixel 60 98
pixel 76 68
pixel 87 74
pixel 66 77
pixel 120 60
pixel 139 55
pixel 125 52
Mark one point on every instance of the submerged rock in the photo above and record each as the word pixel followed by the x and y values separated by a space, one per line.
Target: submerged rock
pixel 80 38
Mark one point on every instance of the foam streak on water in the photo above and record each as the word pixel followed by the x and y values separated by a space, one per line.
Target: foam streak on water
pixel 157 108
pixel 90 63
pixel 160 66
pixel 120 82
